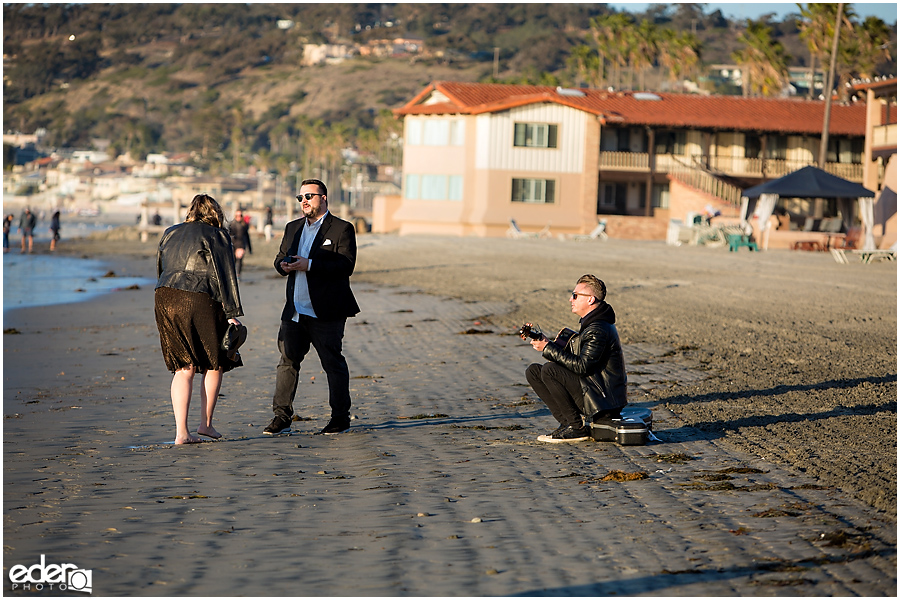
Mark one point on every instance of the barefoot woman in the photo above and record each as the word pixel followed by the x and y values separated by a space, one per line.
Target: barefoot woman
pixel 196 297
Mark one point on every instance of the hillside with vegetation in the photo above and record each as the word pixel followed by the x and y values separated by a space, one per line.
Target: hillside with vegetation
pixel 225 81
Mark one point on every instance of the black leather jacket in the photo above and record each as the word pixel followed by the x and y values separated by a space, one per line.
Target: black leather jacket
pixel 595 354
pixel 196 257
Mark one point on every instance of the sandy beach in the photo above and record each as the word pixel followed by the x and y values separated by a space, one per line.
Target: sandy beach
pixel 772 378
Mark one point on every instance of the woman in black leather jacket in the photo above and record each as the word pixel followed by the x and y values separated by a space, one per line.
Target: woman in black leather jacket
pixel 195 299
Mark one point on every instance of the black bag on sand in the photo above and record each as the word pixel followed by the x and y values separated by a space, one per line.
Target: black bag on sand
pixel 632 428
pixel 235 336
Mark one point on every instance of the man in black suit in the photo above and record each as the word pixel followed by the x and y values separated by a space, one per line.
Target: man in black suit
pixel 317 254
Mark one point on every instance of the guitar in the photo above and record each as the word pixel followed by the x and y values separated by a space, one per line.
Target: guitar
pixel 532 331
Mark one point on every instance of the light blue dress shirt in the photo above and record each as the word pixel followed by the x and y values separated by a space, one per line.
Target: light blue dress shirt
pixel 302 302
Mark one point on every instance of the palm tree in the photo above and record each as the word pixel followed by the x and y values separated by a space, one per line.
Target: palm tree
pixel 762 59
pixel 585 64
pixel 211 126
pixel 390 136
pixel 279 137
pixel 814 28
pixel 873 38
pixel 609 32
pixel 642 48
pixel 817 30
pixel 264 160
pixel 679 53
pixel 283 166
pixel 307 144
pixel 237 136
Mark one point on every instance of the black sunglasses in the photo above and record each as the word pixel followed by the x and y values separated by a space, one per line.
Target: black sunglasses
pixel 308 196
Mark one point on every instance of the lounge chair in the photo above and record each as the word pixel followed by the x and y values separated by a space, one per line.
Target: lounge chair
pixel 842 256
pixel 516 233
pixel 598 233
pixel 737 238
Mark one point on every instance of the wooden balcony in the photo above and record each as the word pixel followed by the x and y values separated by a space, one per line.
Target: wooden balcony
pixel 639 162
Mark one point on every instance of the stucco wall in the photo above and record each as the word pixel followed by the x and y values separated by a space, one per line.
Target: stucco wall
pixel 383 209
pixel 638 228
pixel 684 199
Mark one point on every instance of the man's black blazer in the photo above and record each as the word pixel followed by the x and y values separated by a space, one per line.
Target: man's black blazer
pixel 333 256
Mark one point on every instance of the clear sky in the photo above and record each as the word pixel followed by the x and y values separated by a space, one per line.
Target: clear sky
pixel 886 11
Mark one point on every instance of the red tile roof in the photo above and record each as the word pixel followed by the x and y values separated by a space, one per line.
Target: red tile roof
pixel 728 113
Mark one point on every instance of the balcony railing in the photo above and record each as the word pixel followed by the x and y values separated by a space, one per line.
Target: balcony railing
pixel 705 182
pixel 639 162
pixel 625 161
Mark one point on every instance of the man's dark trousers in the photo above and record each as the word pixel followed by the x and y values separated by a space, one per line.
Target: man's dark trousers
pixel 294 341
pixel 558 387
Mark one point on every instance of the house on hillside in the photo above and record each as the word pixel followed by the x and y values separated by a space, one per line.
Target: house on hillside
pixel 476 156
pixel 318 54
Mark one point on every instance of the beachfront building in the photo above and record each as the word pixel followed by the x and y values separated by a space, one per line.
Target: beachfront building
pixel 478 156
pixel 881 128
pixel 880 156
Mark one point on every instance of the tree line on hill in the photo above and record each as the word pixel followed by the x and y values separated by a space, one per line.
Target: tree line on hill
pixel 153 77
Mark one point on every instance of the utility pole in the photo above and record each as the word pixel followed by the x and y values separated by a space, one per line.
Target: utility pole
pixel 823 147
pixel 496 63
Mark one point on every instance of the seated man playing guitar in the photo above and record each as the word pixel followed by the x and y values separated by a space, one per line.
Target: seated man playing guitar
pixel 585 376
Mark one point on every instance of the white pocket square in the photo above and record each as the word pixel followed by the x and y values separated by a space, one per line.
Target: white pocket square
pixel 326 243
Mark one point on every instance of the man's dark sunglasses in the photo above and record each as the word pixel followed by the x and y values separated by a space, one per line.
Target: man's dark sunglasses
pixel 308 196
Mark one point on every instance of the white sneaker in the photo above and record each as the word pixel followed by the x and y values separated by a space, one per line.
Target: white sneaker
pixel 566 434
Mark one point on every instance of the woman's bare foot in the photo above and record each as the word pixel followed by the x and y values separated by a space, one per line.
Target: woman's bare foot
pixel 209 432
pixel 190 439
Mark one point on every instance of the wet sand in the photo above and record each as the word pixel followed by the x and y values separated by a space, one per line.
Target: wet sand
pixel 772 379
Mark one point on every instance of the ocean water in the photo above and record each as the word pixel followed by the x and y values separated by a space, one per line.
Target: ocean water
pixel 31 280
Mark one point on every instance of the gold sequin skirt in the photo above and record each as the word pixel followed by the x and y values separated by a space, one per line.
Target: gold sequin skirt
pixel 191 326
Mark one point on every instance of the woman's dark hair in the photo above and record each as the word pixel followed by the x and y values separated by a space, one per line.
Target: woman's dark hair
pixel 204 208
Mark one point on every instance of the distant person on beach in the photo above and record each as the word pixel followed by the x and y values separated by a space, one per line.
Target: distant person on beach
pixel 585 376
pixel 7 227
pixel 197 297
pixel 240 238
pixel 27 223
pixel 318 255
pixel 269 223
pixel 156 219
pixel 54 229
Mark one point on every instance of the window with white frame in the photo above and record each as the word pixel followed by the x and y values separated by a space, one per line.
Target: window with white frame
pixel 435 132
pixel 608 195
pixel 454 187
pixel 457 132
pixel 776 147
pixel 659 195
pixel 670 142
pixel 433 187
pixel 414 132
pixel 412 190
pixel 535 191
pixel 535 135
